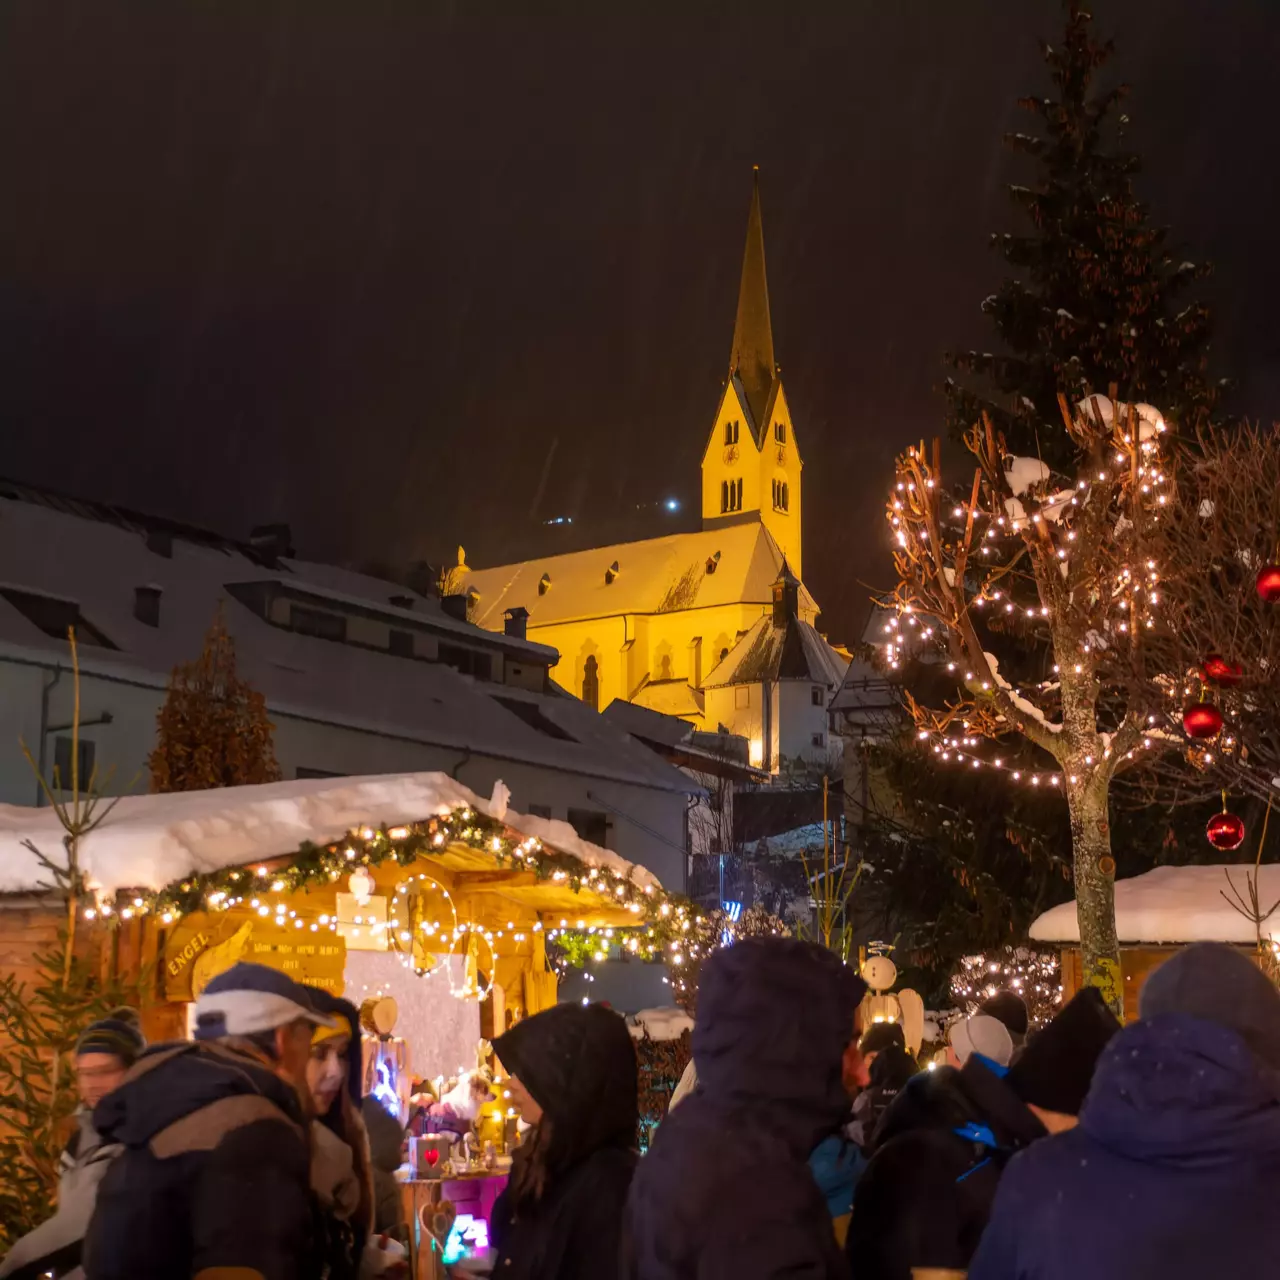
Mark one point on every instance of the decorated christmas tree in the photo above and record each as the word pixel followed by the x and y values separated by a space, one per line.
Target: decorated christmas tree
pixel 213 729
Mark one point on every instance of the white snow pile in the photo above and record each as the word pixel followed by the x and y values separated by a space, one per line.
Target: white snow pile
pixel 1102 410
pixel 1023 473
pixel 1174 905
pixel 149 841
pixel 667 1023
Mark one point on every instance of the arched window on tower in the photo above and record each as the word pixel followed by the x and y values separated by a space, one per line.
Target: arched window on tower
pixel 591 682
pixel 724 496
pixel 737 503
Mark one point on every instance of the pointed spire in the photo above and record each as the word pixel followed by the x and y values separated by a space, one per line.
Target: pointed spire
pixel 751 358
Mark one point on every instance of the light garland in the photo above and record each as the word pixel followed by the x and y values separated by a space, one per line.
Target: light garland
pixel 1032 974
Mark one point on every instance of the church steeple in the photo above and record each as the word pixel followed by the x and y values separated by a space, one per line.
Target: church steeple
pixel 751 358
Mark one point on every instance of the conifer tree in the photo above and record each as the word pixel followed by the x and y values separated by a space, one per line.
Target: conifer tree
pixel 1093 299
pixel 212 730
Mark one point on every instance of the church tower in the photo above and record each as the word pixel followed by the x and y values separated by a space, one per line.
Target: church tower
pixel 751 467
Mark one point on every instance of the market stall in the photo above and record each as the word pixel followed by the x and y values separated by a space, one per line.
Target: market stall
pixel 404 889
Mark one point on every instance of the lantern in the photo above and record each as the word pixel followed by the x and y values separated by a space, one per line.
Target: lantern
pixel 1202 720
pixel 1269 583
pixel 1221 672
pixel 1225 831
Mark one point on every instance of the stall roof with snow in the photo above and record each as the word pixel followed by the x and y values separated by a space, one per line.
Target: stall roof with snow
pixel 151 841
pixel 1175 905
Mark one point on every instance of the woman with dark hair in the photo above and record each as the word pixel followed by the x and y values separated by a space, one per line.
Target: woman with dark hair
pixel 574 1080
pixel 341 1170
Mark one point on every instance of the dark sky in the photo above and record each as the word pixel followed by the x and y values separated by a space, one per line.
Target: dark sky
pixel 413 275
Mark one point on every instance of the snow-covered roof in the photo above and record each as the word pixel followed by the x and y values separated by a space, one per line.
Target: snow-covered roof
pixel 865 693
pixel 674 697
pixel 769 652
pixel 658 575
pixel 668 1023
pixel 150 841
pixel 98 564
pixel 1175 905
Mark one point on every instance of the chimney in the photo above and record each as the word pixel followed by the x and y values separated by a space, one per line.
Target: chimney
pixel 272 540
pixel 455 607
pixel 786 597
pixel 516 623
pixel 146 605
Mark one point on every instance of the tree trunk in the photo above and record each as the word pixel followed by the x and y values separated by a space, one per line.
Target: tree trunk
pixel 1095 878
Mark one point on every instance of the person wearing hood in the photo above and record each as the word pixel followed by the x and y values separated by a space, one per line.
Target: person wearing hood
pixel 939 1151
pixel 889 1068
pixel 1172 1169
pixel 103 1054
pixel 574 1079
pixel 726 1188
pixel 213 1179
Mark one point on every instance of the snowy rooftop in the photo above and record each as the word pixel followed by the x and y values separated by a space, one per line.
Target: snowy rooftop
pixel 769 652
pixel 658 575
pixel 1174 905
pixel 149 841
pixel 668 1023
pixel 77 553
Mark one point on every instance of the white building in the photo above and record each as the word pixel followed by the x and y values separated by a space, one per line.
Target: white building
pixel 360 676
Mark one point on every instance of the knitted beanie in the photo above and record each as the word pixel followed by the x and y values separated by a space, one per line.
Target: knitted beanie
pixel 1056 1068
pixel 119 1034
pixel 1008 1007
pixel 983 1035
pixel 879 1036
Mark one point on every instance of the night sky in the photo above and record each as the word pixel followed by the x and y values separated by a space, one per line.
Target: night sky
pixel 414 275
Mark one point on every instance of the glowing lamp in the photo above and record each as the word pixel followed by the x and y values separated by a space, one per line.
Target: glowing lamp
pixel 1221 672
pixel 1269 583
pixel 361 885
pixel 1202 720
pixel 1225 831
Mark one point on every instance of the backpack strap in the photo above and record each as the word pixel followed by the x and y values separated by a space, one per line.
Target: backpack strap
pixel 204 1129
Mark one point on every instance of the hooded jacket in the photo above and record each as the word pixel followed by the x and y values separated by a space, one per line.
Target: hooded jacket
pixel 579 1065
pixel 726 1189
pixel 1171 1172
pixel 214 1171
pixel 936 1161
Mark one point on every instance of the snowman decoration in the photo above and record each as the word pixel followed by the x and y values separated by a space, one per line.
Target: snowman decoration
pixel 905 1008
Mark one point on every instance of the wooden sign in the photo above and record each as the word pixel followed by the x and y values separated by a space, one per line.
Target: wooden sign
pixel 201 947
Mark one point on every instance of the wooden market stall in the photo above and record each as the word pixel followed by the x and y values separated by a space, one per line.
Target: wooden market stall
pixel 353 885
pixel 1161 911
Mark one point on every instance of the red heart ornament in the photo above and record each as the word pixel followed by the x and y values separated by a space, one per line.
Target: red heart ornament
pixel 433 1155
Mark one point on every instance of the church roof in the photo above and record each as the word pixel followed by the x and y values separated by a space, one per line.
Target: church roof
pixel 770 652
pixel 751 364
pixel 658 575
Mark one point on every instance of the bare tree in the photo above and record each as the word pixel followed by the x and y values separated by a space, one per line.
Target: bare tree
pixel 1067 562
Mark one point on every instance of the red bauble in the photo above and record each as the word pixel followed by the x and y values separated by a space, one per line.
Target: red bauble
pixel 1218 670
pixel 1202 720
pixel 1225 831
pixel 1269 583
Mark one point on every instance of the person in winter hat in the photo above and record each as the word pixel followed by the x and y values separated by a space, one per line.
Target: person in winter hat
pixel 214 1177
pixel 726 1189
pixel 983 1035
pixel 103 1053
pixel 1172 1168
pixel 1009 1009
pixel 939 1152
pixel 574 1079
pixel 889 1067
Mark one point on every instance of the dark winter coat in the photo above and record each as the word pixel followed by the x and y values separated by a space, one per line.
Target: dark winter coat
pixel 936 1161
pixel 579 1065
pixel 1171 1173
pixel 726 1190
pixel 386 1142
pixel 889 1073
pixel 213 1174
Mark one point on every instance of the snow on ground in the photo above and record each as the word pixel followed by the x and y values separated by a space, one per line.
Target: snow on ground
pixel 1175 905
pixel 149 841
pixel 668 1023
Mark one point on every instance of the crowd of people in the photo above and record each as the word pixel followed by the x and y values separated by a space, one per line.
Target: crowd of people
pixel 793 1147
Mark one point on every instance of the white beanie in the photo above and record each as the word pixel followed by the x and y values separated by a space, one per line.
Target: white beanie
pixel 981 1034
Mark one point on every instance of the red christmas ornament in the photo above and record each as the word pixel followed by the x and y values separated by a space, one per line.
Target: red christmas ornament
pixel 1202 720
pixel 1225 831
pixel 1221 672
pixel 1269 583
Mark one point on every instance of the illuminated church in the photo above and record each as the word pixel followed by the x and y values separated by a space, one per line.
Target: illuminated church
pixel 715 627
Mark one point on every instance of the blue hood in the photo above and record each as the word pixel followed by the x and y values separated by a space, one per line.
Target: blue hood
pixel 1179 1091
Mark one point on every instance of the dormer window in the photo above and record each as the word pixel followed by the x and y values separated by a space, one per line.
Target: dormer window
pixel 731 432
pixel 780 432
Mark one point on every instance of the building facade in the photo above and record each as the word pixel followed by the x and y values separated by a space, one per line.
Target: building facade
pixel 696 625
